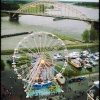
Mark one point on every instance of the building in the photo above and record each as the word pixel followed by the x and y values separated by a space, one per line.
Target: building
pixel 93 92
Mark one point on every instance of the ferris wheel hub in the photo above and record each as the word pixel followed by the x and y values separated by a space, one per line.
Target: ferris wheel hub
pixel 42 61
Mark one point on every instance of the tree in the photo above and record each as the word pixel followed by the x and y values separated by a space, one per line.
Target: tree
pixel 97 35
pixel 86 36
pixel 92 35
pixel 2 65
pixel 24 59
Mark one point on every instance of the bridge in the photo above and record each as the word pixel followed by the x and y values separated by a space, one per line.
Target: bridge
pixel 51 8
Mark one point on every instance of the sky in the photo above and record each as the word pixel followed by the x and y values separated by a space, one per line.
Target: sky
pixel 82 0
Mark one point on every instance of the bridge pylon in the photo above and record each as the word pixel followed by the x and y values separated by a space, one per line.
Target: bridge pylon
pixel 94 24
pixel 13 16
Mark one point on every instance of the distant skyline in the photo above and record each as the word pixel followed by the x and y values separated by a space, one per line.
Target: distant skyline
pixel 81 0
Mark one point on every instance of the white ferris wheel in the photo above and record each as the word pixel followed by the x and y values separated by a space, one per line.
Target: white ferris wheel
pixel 35 61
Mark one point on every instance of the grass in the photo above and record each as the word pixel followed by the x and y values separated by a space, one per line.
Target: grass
pixel 86 73
pixel 71 73
pixel 65 37
pixel 8 52
pixel 82 45
pixel 4 14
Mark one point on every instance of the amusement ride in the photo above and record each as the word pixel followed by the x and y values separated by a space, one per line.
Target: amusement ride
pixel 35 61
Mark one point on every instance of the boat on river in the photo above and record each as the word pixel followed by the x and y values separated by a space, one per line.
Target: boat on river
pixel 75 63
pixel 74 55
pixel 88 66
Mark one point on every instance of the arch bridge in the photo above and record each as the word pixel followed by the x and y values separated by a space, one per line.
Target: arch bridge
pixel 51 8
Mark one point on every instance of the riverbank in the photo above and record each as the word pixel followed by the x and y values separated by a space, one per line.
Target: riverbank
pixel 4 14
pixel 81 45
pixel 69 45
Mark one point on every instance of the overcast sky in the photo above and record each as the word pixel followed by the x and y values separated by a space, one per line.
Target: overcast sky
pixel 82 0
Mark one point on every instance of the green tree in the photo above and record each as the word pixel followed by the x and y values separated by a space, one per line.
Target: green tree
pixel 2 65
pixel 24 59
pixel 92 35
pixel 85 36
pixel 70 73
pixel 96 35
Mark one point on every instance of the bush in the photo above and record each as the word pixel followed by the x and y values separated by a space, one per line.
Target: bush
pixel 2 65
pixel 70 73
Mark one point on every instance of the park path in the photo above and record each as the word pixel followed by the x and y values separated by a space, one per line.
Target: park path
pixel 90 75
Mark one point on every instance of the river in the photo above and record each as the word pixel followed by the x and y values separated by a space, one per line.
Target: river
pixel 28 23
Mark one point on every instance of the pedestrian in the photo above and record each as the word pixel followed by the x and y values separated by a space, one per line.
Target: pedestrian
pixel 75 91
pixel 24 99
pixel 62 95
pixel 71 98
pixel 9 95
pixel 15 80
pixel 82 82
pixel 78 83
pixel 68 98
pixel 92 80
pixel 21 96
pixel 70 88
pixel 2 85
pixel 3 95
pixel 5 99
pixel 4 88
pixel 82 92
pixel 79 91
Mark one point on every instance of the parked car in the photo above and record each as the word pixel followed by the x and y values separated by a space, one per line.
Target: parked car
pixel 88 66
pixel 80 78
pixel 77 79
pixel 71 80
pixel 96 58
pixel 58 56
pixel 93 63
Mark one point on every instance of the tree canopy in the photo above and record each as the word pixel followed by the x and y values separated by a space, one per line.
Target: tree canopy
pixel 2 65
pixel 94 35
pixel 85 36
pixel 91 35
pixel 9 6
pixel 25 58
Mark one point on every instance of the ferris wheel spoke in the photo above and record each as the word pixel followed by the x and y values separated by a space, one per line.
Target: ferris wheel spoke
pixel 55 70
pixel 36 45
pixel 28 74
pixel 45 40
pixel 54 45
pixel 40 42
pixel 32 45
pixel 34 69
pixel 59 66
pixel 28 48
pixel 36 74
pixel 48 44
pixel 21 51
pixel 50 47
pixel 52 76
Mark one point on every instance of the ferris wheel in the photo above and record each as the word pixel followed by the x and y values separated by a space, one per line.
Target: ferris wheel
pixel 39 61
